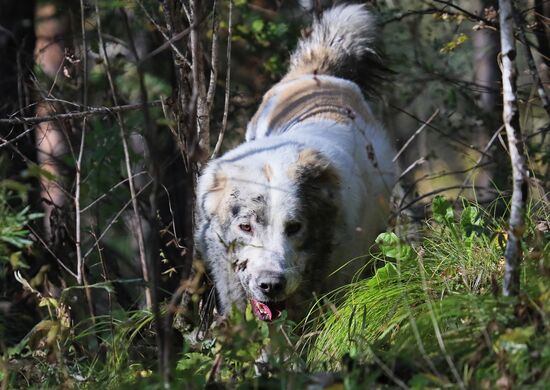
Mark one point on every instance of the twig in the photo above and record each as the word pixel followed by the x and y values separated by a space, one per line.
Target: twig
pixel 435 176
pixel 109 295
pixel 428 194
pixel 389 373
pixel 6 142
pixel 510 115
pixel 227 84
pixel 415 163
pixel 139 229
pixel 155 173
pixel 173 223
pixel 76 114
pixel 215 368
pixel 531 63
pixel 438 131
pixel 169 39
pixel 164 46
pixel 199 82
pixel 35 234
pixel 479 160
pixel 79 260
pixel 106 193
pixel 214 59
pixel 543 130
pixel 412 137
pixel 398 18
pixel 467 13
pixel 117 215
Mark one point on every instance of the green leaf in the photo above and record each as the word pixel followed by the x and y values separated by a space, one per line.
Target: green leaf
pixel 257 25
pixel 15 240
pixel 455 43
pixel 392 246
pixel 34 170
pixel 442 211
pixel 387 272
pixel 471 221
pixel 16 261
pixel 195 361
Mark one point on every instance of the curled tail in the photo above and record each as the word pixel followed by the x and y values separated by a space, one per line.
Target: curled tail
pixel 341 44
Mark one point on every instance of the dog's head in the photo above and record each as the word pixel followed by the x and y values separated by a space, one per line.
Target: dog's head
pixel 268 222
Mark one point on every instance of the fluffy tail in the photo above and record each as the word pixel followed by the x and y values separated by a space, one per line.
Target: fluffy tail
pixel 341 44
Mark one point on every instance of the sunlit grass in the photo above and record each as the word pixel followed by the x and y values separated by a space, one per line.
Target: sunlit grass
pixel 435 309
pixel 431 315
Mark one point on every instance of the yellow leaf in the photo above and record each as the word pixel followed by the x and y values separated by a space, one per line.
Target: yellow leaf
pixel 170 271
pixel 48 301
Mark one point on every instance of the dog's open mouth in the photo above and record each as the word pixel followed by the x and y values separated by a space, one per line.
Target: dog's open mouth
pixel 267 311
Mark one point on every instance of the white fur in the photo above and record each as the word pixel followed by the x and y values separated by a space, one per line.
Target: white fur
pixel 359 152
pixel 345 30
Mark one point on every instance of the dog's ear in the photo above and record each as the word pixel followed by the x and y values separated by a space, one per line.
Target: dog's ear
pixel 212 188
pixel 313 172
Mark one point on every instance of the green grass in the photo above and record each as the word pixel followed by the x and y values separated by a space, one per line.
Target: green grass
pixel 432 316
pixel 434 311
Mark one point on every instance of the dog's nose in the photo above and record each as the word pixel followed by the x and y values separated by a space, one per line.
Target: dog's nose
pixel 271 283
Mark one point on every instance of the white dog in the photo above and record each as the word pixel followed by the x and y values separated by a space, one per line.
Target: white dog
pixel 308 191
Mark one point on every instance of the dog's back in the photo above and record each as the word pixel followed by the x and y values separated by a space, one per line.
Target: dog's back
pixel 313 178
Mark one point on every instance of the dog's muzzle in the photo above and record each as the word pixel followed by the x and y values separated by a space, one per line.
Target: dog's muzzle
pixel 272 286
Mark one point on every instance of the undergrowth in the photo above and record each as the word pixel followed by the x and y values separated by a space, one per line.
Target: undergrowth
pixel 432 316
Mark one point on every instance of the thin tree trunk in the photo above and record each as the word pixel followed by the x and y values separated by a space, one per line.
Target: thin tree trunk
pixel 542 12
pixel 487 77
pixel 194 14
pixel 187 136
pixel 513 252
pixel 486 70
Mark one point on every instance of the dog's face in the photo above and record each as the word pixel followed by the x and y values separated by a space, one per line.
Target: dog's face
pixel 271 223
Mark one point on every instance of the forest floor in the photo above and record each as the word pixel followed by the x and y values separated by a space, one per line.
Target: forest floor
pixel 432 316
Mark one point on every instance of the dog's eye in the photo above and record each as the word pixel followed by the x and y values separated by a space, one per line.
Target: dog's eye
pixel 292 228
pixel 245 227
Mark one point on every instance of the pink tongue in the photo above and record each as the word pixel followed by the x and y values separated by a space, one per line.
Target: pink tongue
pixel 261 310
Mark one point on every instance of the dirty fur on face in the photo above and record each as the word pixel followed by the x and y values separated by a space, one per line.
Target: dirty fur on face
pixel 308 191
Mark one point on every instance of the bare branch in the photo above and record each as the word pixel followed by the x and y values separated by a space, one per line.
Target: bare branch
pixel 116 217
pixel 169 39
pixel 116 109
pixel 227 84
pixel 412 166
pixel 439 131
pixel 387 370
pixel 412 137
pixel 214 59
pixel 431 193
pixel 139 229
pixel 531 63
pixel 199 82
pixel 48 249
pixel 479 160
pixel 106 193
pixel 79 259
pixel 467 13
